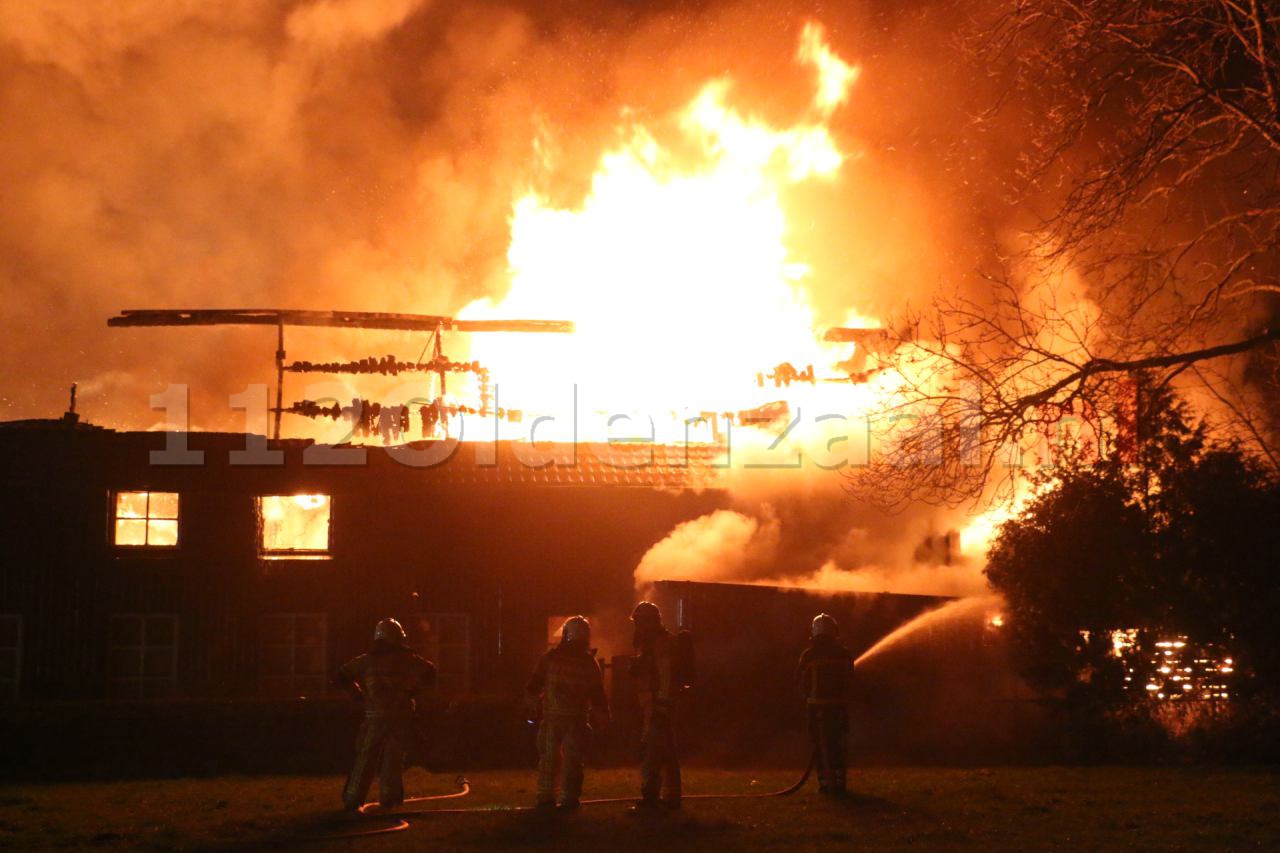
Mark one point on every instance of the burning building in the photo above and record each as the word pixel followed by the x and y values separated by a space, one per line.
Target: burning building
pixel 145 585
pixel 728 249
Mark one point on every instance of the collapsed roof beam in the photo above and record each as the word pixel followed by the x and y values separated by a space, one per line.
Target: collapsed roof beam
pixel 337 319
pixel 843 334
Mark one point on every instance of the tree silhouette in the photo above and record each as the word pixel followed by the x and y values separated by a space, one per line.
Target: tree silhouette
pixel 1168 536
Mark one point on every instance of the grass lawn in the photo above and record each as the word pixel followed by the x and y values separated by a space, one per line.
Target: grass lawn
pixel 1003 808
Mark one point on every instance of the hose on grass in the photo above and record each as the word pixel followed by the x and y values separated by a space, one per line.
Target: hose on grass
pixel 398 814
pixel 370 812
pixel 464 788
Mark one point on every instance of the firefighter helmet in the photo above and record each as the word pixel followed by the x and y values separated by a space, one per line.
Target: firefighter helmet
pixel 389 630
pixel 576 630
pixel 824 624
pixel 646 614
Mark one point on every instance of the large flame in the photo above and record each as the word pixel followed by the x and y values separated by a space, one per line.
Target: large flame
pixel 675 268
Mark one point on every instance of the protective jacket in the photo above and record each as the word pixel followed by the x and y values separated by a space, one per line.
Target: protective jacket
pixel 826 668
pixel 390 677
pixel 570 683
pixel 654 669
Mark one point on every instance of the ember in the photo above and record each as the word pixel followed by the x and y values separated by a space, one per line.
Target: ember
pixel 1173 668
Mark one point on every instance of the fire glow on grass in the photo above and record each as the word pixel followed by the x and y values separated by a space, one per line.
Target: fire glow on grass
pixel 675 271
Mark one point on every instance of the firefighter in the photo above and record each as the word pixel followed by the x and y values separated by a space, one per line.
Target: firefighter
pixel 656 689
pixel 569 686
pixel 825 671
pixel 389 678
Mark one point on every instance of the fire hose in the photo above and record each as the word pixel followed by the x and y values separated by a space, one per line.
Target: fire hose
pixel 369 812
pixel 398 814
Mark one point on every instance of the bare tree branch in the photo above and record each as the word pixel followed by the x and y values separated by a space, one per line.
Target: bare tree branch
pixel 1155 149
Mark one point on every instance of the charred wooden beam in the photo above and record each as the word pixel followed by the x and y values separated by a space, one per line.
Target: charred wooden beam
pixel 843 334
pixel 335 319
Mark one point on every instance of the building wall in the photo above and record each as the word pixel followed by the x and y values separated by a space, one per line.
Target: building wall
pixel 503 544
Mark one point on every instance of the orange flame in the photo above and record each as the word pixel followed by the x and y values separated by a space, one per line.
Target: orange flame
pixel 675 268
pixel 835 76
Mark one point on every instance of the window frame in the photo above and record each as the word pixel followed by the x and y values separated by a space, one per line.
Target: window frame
pixel 279 554
pixel 142 679
pixel 293 675
pixel 16 681
pixel 113 502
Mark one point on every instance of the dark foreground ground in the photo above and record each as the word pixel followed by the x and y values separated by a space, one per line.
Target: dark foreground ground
pixel 1006 808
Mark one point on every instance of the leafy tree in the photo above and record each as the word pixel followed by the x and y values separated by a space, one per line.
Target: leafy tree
pixel 1222 559
pixel 1064 567
pixel 1166 535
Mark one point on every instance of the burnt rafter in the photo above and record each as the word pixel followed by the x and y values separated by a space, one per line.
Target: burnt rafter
pixel 281 317
pixel 333 319
pixel 389 365
pixel 369 417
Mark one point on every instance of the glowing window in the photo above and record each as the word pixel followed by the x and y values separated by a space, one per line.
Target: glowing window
pixel 294 653
pixel 146 519
pixel 144 655
pixel 294 526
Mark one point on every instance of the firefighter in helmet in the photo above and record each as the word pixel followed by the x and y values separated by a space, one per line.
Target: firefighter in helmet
pixel 826 668
pixel 656 688
pixel 389 678
pixel 568 685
